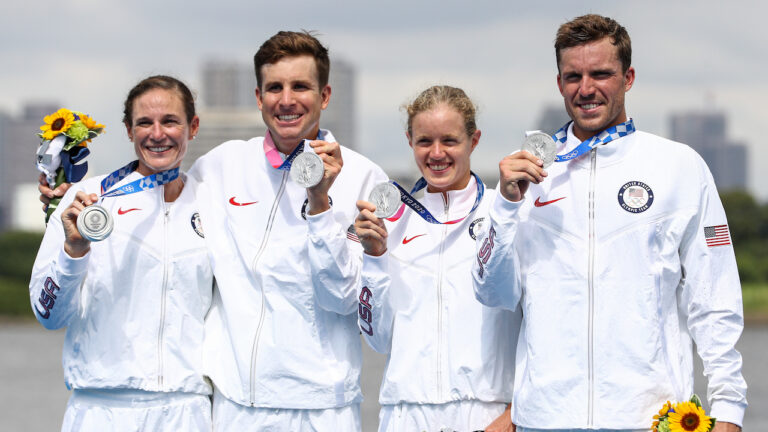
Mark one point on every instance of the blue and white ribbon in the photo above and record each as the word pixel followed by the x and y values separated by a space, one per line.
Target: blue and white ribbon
pixel 604 137
pixel 149 182
pixel 415 205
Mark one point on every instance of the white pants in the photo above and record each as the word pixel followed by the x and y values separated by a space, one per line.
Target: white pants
pixel 229 416
pixel 461 416
pixel 128 410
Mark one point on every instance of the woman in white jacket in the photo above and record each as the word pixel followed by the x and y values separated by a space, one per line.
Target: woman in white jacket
pixel 450 360
pixel 134 303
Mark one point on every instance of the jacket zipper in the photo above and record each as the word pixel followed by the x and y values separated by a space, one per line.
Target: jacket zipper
pixel 440 305
pixel 263 246
pixel 166 210
pixel 591 277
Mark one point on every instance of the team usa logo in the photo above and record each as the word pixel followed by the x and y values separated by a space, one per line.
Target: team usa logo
pixel 476 227
pixel 47 298
pixel 364 311
pixel 485 253
pixel 306 202
pixel 197 225
pixel 635 197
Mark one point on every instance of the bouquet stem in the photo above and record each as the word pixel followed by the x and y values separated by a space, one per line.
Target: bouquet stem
pixel 60 179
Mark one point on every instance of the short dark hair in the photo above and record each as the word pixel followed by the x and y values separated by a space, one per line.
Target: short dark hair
pixel 162 82
pixel 590 28
pixel 292 44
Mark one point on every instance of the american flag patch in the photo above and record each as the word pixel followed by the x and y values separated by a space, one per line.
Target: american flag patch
pixel 717 235
pixel 352 234
pixel 635 192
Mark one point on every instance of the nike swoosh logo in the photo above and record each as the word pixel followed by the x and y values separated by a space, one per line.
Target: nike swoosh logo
pixel 120 211
pixel 543 203
pixel 235 203
pixel 407 240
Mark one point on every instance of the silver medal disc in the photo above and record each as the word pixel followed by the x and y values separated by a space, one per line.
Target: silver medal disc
pixel 386 198
pixel 94 223
pixel 542 146
pixel 307 169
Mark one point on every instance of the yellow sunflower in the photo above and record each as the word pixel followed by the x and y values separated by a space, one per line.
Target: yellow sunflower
pixel 687 417
pixel 89 122
pixel 662 412
pixel 57 123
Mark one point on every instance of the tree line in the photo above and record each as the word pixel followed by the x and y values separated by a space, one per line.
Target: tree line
pixel 747 220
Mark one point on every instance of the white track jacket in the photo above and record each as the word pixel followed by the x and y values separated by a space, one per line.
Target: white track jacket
pixel 281 332
pixel 619 258
pixel 134 304
pixel 417 305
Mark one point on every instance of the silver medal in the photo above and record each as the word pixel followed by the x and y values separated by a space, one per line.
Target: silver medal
pixel 542 146
pixel 307 169
pixel 386 198
pixel 94 223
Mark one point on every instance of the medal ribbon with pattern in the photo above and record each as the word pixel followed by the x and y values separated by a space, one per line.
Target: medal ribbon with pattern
pixel 604 137
pixel 415 205
pixel 148 182
pixel 273 154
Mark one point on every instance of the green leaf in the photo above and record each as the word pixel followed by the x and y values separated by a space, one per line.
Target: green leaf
pixel 696 400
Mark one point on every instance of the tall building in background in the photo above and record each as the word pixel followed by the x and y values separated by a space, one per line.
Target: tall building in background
pixel 18 143
pixel 705 132
pixel 552 118
pixel 340 116
pixel 228 108
pixel 228 84
pixel 221 124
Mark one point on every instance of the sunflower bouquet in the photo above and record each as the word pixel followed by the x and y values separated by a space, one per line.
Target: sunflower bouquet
pixel 683 417
pixel 65 136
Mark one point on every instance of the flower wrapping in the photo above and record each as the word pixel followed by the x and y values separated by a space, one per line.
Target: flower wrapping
pixel 60 156
pixel 683 417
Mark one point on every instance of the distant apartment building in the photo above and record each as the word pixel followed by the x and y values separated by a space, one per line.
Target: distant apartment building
pixel 18 143
pixel 705 132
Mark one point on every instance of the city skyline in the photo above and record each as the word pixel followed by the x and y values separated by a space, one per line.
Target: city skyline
pixel 501 54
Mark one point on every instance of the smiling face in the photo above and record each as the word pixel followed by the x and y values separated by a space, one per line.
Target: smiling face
pixel 160 131
pixel 442 147
pixel 291 100
pixel 593 85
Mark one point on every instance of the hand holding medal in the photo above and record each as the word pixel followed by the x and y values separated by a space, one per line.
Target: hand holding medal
pixel 75 243
pixel 313 165
pixel 517 171
pixel 329 164
pixel 370 229
pixel 93 222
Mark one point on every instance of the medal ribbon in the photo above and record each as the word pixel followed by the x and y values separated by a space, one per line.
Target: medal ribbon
pixel 149 182
pixel 415 205
pixel 604 137
pixel 273 154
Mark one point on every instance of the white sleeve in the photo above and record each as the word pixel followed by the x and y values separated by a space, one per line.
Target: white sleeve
pixel 54 288
pixel 335 257
pixel 496 270
pixel 335 261
pixel 375 311
pixel 710 300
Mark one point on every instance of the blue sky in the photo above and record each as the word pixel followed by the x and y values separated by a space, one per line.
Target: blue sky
pixel 705 55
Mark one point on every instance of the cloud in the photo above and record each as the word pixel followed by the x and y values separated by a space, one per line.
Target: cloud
pixel 89 53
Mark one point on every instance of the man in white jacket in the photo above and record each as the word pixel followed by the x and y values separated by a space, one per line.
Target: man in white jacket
pixel 281 339
pixel 282 345
pixel 620 258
